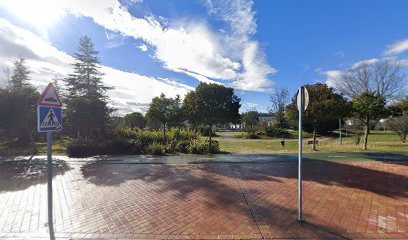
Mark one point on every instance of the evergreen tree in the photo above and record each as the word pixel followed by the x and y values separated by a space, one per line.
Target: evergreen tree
pixel 87 112
pixel 86 80
pixel 17 106
pixel 20 76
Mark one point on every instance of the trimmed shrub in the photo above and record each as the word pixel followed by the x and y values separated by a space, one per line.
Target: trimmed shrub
pixel 156 149
pixel 252 135
pixel 137 141
pixel 183 146
pixel 201 146
pixel 277 132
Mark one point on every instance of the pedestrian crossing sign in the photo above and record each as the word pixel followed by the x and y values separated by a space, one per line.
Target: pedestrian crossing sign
pixel 49 119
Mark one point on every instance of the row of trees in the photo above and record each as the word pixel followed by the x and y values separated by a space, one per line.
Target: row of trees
pixel 86 114
pixel 361 95
pixel 208 105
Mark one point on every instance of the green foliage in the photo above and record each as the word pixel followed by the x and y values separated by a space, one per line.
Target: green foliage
pixel 166 111
pixel 369 106
pixel 366 107
pixel 250 119
pixel 324 110
pixel 201 146
pixel 137 141
pixel 20 77
pixel 135 120
pixel 87 113
pixel 156 148
pixel 86 80
pixel 17 107
pixel 276 132
pixel 278 105
pixel 87 117
pixel 210 104
pixel 252 135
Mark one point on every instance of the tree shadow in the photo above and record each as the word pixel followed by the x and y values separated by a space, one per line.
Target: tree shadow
pixel 20 175
pixel 390 184
pixel 223 189
pixel 394 158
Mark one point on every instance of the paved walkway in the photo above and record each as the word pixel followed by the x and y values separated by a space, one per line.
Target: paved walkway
pixel 124 200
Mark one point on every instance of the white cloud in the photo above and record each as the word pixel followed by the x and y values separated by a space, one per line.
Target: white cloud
pixel 332 77
pixel 191 46
pixel 365 62
pixel 397 48
pixel 133 92
pixel 142 47
pixel 255 71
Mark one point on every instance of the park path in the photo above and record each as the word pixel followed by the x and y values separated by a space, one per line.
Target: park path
pixel 124 200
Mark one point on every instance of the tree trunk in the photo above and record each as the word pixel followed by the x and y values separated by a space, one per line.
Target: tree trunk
pixel 164 133
pixel 367 131
pixel 404 137
pixel 210 135
pixel 314 137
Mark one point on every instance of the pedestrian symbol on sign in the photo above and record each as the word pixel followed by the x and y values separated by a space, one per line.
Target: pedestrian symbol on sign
pixel 50 120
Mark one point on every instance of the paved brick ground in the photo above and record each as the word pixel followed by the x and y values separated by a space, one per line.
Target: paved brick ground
pixel 205 201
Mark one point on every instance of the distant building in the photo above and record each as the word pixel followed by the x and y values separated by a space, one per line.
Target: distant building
pixel 266 118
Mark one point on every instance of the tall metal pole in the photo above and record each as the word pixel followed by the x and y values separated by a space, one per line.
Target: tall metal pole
pixel 49 178
pixel 302 106
pixel 341 139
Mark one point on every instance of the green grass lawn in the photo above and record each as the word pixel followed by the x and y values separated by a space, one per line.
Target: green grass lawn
pixel 37 148
pixel 378 141
pixel 232 142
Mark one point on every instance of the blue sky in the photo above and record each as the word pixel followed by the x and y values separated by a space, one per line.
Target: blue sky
pixel 148 47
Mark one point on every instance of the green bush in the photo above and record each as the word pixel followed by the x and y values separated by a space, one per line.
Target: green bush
pixel 276 132
pixel 137 141
pixel 252 135
pixel 200 146
pixel 183 146
pixel 156 149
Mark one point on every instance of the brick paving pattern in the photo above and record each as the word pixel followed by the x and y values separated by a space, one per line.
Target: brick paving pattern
pixel 205 201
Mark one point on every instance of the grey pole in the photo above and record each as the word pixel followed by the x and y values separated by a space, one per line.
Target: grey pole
pixel 302 106
pixel 341 139
pixel 49 178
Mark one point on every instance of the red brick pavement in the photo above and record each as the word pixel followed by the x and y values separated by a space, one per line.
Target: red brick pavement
pixel 205 201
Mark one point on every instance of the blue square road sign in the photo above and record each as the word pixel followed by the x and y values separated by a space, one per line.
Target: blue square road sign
pixel 49 119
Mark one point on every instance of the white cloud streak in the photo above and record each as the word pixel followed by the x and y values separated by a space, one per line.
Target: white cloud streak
pixel 191 46
pixel 397 48
pixel 133 92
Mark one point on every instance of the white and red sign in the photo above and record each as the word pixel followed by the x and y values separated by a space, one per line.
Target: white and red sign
pixel 49 97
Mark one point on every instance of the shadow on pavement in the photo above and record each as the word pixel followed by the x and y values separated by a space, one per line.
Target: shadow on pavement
pixel 19 175
pixel 389 183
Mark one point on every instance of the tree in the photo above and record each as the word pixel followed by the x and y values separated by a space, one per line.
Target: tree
pixel 356 127
pixel 86 80
pixel 20 76
pixel 164 110
pixel 17 105
pixel 369 106
pixel 383 77
pixel 213 104
pixel 87 111
pixel 324 110
pixel 87 117
pixel 135 120
pixel 250 119
pixel 399 122
pixel 278 105
pixel 190 110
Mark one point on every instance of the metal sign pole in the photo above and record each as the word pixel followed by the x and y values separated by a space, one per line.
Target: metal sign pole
pixel 49 178
pixel 302 106
pixel 341 139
